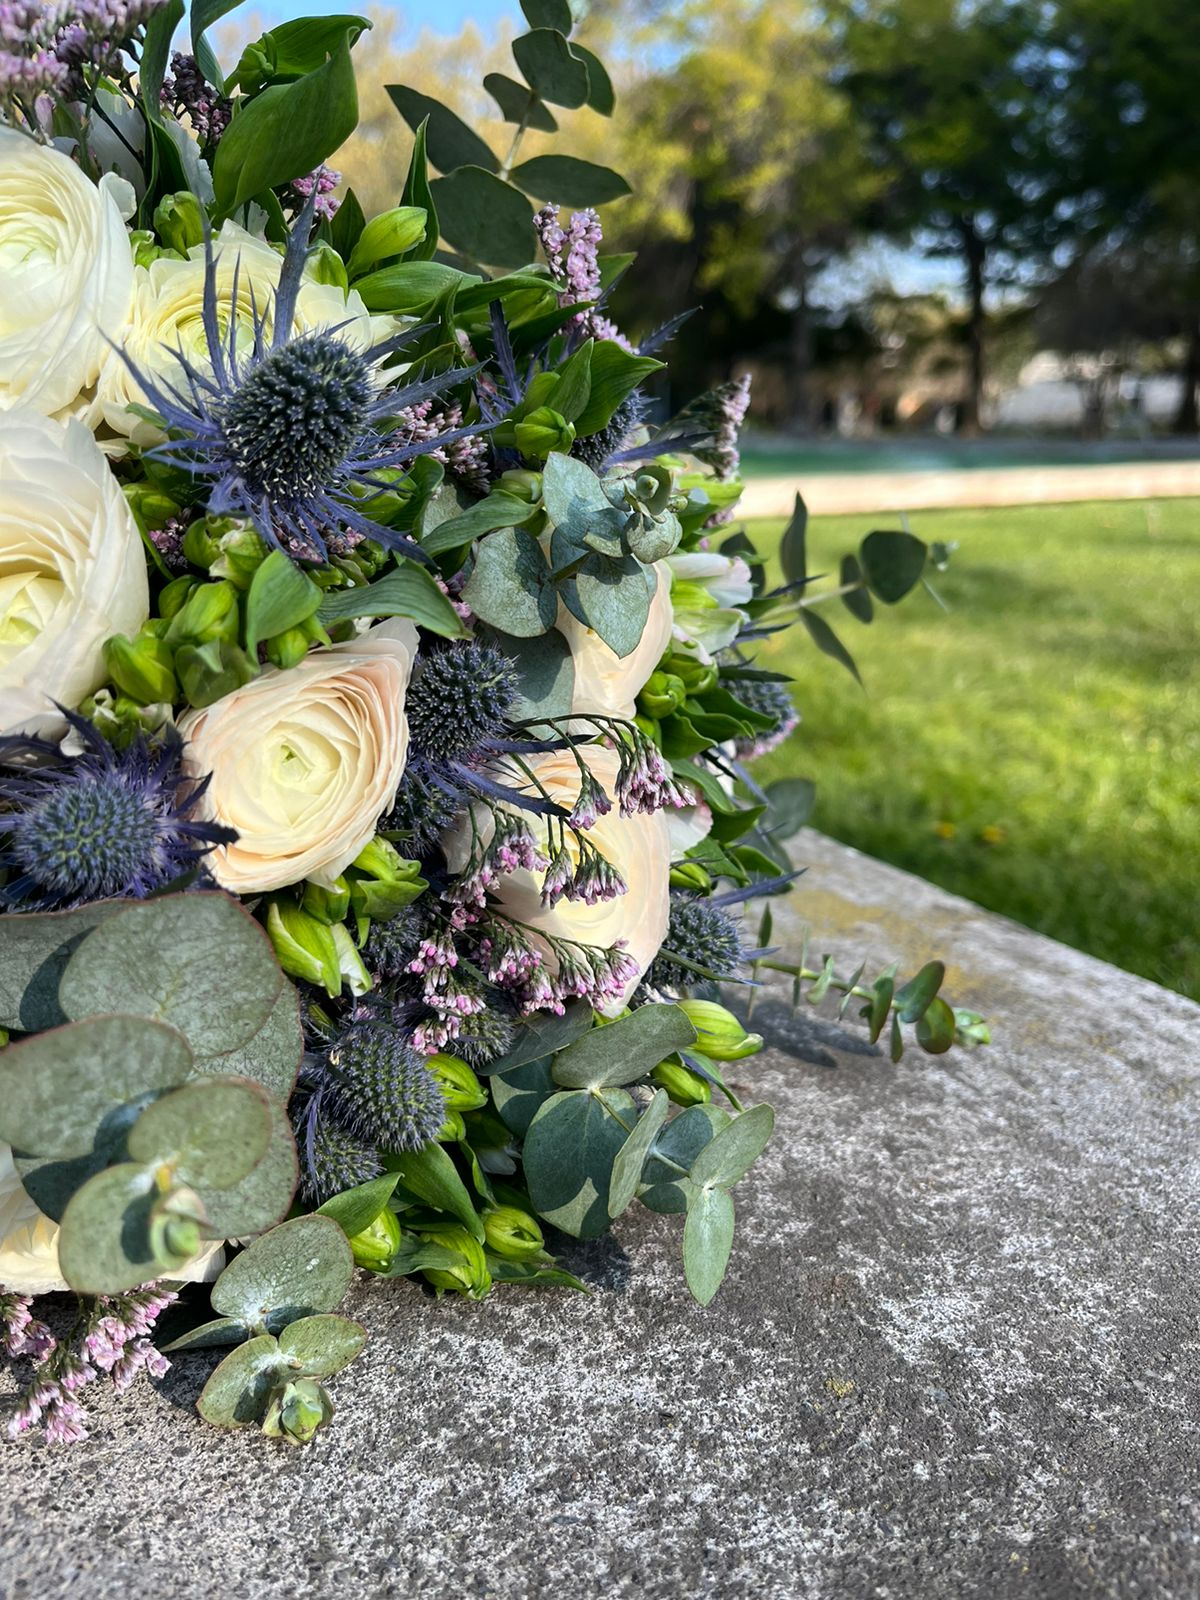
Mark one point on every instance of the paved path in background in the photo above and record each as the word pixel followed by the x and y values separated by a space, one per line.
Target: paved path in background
pixel 833 493
pixel 955 1358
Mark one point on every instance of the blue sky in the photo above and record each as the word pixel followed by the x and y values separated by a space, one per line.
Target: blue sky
pixel 439 16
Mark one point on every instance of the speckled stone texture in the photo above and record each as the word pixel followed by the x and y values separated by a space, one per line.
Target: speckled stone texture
pixel 955 1356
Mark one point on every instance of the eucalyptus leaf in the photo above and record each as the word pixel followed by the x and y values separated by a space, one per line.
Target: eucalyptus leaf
pixel 569 1152
pixel 197 961
pixel 856 600
pixel 935 1029
pixel 707 1242
pixel 612 597
pixel 510 585
pixel 449 142
pixel 236 1394
pixel 518 103
pixel 297 1269
pixel 734 1150
pixel 321 1345
pixel 566 180
pixel 104 1245
pixel 263 1196
pixel 541 1035
pixel 576 503
pixel 484 217
pixel 793 545
pixel 545 674
pixel 627 1168
pixel 272 1056
pixel 624 1051
pixel 893 563
pixel 214 1131
pixel 790 802
pixel 548 14
pixel 823 636
pixel 665 1189
pixel 34 950
pixel 914 997
pixel 209 1335
pixel 407 591
pixel 550 69
pixel 601 96
pixel 518 1092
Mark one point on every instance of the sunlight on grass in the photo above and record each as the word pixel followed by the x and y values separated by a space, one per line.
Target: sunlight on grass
pixel 1037 749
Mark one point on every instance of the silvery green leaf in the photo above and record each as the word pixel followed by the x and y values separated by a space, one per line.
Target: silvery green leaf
pixel 707 1241
pixel 510 586
pixel 625 1050
pixel 297 1269
pixel 569 1153
pixel 627 1169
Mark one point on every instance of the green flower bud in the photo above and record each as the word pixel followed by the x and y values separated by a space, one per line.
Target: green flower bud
pixel 240 554
pixel 697 677
pixel 543 431
pixel 179 221
pixel 461 1089
pixel 303 946
pixel 121 720
pixel 389 234
pixel 691 875
pixel 326 266
pixel 297 1410
pixel 288 649
pixel 146 248
pixel 350 963
pixel 202 542
pixel 453 1129
pixel 648 726
pixel 521 484
pixel 662 694
pixel 384 881
pixel 142 668
pixel 209 613
pixel 375 1247
pixel 513 1234
pixel 469 1275
pixel 719 1034
pixel 175 596
pixel 175 1228
pixel 150 506
pixel 684 1087
pixel 207 672
pixel 327 905
pixel 653 488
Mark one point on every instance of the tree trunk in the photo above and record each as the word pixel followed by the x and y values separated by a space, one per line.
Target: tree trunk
pixel 975 262
pixel 1187 418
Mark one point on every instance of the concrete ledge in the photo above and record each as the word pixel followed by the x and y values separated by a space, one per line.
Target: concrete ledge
pixel 956 1354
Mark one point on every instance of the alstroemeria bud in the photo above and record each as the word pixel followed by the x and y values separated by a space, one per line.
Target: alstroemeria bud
pixel 521 484
pixel 389 883
pixel 513 1234
pixel 389 234
pixel 662 693
pixel 150 506
pixel 375 1247
pixel 174 596
pixel 303 946
pixel 350 963
pixel 327 905
pixel 461 1089
pixel 210 612
pixel 719 1034
pixel 697 677
pixel 469 1275
pixel 684 1087
pixel 691 875
pixel 179 221
pixel 543 431
pixel 142 667
pixel 241 554
pixel 288 649
pixel 453 1129
pixel 297 1410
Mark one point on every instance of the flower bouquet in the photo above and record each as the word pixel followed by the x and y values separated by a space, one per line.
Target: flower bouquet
pixel 377 677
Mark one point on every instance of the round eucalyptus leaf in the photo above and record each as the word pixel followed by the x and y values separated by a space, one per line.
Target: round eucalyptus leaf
pixel 215 1131
pixel 625 1050
pixel 550 69
pixel 301 1267
pixel 34 949
pixel 272 1056
pixel 263 1196
pixel 197 961
pixel 236 1395
pixel 569 1152
pixel 664 1188
pixel 734 1150
pixel 57 1089
pixel 322 1345
pixel 105 1245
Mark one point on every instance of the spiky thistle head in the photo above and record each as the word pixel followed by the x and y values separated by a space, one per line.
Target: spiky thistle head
pixel 392 945
pixel 381 1089
pixel 705 935
pixel 594 449
pixel 458 700
pixel 485 1037
pixel 332 1159
pixel 770 699
pixel 102 825
pixel 423 808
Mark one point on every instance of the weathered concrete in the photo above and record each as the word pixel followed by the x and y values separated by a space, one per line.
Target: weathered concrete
pixel 956 1354
pixel 830 494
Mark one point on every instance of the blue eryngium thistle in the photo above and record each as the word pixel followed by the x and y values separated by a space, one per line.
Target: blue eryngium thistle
pixel 101 825
pixel 381 1090
pixel 458 700
pixel 706 936
pixel 295 432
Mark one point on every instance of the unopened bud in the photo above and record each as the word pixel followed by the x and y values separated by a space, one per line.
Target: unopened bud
pixel 375 1247
pixel 350 963
pixel 303 946
pixel 697 677
pixel 719 1034
pixel 142 668
pixel 521 484
pixel 684 1087
pixel 469 1274
pixel 691 875
pixel 288 649
pixel 453 1129
pixel 384 881
pixel 663 693
pixel 513 1234
pixel 461 1089
pixel 328 905
pixel 297 1410
pixel 179 221
pixel 542 431
pixel 209 613
pixel 241 552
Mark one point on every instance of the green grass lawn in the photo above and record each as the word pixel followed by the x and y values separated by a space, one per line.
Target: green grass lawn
pixel 1037 749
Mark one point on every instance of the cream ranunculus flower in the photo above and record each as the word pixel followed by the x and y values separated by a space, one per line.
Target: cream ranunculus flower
pixel 72 568
pixel 29 1242
pixel 609 684
pixel 66 274
pixel 305 761
pixel 638 846
pixel 166 315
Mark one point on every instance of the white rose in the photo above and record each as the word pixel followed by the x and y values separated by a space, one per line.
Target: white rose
pixel 66 274
pixel 166 315
pixel 638 846
pixel 29 1242
pixel 72 568
pixel 606 683
pixel 305 761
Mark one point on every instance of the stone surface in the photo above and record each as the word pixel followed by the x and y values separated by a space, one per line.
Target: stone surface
pixel 955 1356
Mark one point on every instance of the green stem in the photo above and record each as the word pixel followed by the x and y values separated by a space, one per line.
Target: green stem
pixel 506 165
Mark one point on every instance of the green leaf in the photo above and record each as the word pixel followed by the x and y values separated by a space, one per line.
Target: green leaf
pixel 430 1174
pixel 613 598
pixel 156 52
pixel 893 563
pixel 209 1336
pixel 407 591
pixel 823 636
pixel 734 1150
pixel 896 1039
pixel 518 103
pixel 568 1158
pixel 510 584
pixel 281 596
pixel 34 950
pixel 215 1131
pixel 856 601
pixel 569 181
pixel 665 1189
pixel 236 1395
pixel 286 131
pixel 548 14
pixel 484 218
pixel 615 375
pixel 792 546
pixel 291 50
pixel 322 1345
pixel 411 288
pixel 577 505
pixel 272 1055
pixel 545 673
pixel 357 1208
pixel 418 193
pixel 57 1088
pixel 912 1000
pixel 448 140
pixel 634 1153
pixel 262 1197
pixel 210 671
pixel 542 1035
pixel 789 805
pixel 299 1268
pixel 518 1092
pixel 196 961
pixel 535 1274
pixel 601 96
pixel 104 1246
pixel 935 1029
pixel 498 510
pixel 707 1242
pixel 880 1004
pixel 625 1050
pixel 550 69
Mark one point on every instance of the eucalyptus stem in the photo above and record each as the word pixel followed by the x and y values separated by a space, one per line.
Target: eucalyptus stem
pixel 506 165
pixel 807 975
